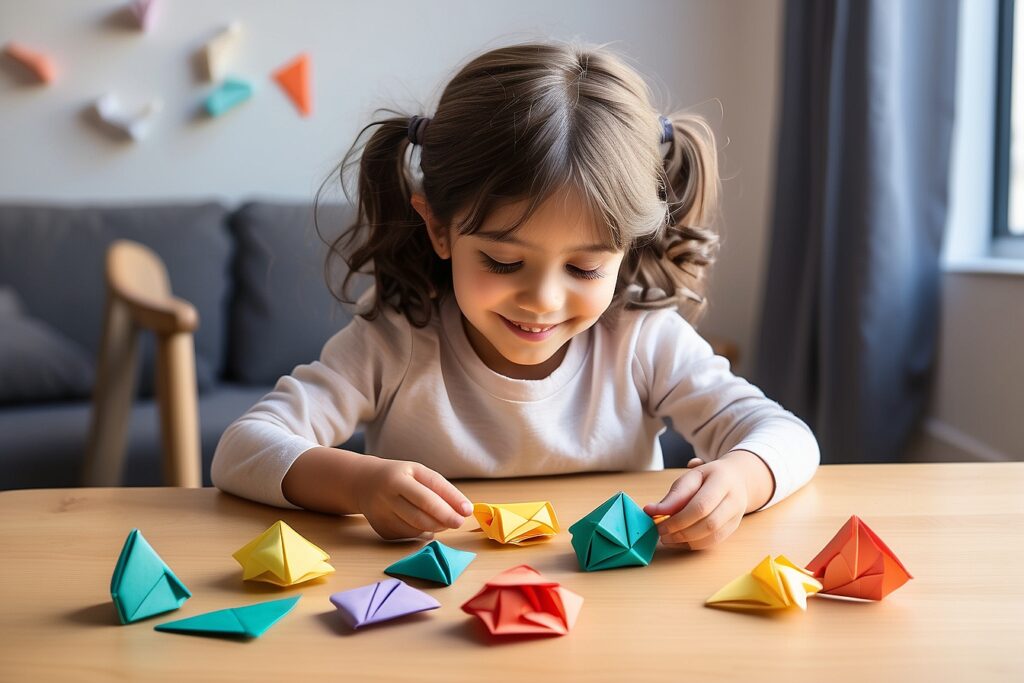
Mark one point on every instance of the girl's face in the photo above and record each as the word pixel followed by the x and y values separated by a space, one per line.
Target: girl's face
pixel 524 297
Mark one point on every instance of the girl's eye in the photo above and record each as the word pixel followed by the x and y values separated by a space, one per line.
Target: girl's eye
pixel 594 274
pixel 498 266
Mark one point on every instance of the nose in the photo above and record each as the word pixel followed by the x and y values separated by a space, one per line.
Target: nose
pixel 542 294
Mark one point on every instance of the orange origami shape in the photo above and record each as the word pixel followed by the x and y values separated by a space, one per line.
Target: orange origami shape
pixel 294 80
pixel 39 64
pixel 521 601
pixel 857 564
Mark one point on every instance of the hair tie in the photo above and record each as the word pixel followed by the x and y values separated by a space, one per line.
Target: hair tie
pixel 667 130
pixel 417 126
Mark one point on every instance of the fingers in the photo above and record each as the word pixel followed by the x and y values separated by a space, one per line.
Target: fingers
pixel 694 462
pixel 445 489
pixel 392 527
pixel 416 518
pixel 698 506
pixel 679 494
pixel 708 530
pixel 430 503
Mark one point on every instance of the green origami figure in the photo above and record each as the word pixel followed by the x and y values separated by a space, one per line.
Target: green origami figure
pixel 142 584
pixel 616 534
pixel 434 562
pixel 250 621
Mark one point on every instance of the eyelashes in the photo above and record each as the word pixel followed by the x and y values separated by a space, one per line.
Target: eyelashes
pixel 502 268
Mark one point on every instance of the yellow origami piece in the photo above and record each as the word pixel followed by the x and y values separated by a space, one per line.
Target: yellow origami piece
pixel 773 584
pixel 516 523
pixel 280 555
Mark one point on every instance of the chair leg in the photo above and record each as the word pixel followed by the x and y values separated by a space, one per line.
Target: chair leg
pixel 179 412
pixel 112 398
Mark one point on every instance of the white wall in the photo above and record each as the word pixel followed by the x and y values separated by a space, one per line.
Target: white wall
pixel 365 55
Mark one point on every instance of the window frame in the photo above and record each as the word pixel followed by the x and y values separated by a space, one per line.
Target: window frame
pixel 1003 119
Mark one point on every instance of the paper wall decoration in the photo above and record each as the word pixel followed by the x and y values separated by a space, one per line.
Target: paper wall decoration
pixel 772 584
pixel 856 563
pixel 231 93
pixel 434 562
pixel 521 601
pixel 144 12
pixel 111 112
pixel 38 64
pixel 381 601
pixel 517 523
pixel 250 621
pixel 283 557
pixel 616 534
pixel 142 584
pixel 294 78
pixel 218 51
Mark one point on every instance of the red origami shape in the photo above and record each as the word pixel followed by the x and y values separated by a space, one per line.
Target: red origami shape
pixel 521 601
pixel 857 564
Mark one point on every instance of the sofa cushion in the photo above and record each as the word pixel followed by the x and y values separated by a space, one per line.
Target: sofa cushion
pixel 54 258
pixel 37 363
pixel 282 310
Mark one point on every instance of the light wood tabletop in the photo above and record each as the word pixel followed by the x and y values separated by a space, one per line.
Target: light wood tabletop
pixel 958 528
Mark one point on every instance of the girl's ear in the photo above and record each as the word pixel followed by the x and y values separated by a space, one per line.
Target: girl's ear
pixel 438 233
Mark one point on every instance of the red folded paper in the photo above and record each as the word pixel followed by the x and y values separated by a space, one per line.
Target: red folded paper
pixel 857 564
pixel 521 601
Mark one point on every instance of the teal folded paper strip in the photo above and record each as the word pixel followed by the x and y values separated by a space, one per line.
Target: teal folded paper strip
pixel 250 621
pixel 143 585
pixel 231 93
pixel 616 534
pixel 434 562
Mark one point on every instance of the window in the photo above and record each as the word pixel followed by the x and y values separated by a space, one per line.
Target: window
pixel 1009 150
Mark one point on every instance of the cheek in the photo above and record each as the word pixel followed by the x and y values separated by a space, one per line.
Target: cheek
pixel 475 286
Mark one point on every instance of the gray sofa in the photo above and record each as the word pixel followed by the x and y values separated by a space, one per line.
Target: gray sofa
pixel 255 275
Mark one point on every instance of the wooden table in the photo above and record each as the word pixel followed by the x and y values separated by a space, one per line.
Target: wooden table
pixel 959 528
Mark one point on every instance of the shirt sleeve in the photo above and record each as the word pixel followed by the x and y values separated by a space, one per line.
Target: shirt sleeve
pixel 318 404
pixel 715 410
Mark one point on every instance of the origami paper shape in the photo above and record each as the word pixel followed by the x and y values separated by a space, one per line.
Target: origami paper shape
pixel 250 621
pixel 434 562
pixel 521 601
pixel 616 534
pixel 857 564
pixel 143 584
pixel 40 65
pixel 517 523
pixel 229 95
pixel 381 601
pixel 219 49
pixel 294 79
pixel 111 112
pixel 772 584
pixel 283 557
pixel 144 12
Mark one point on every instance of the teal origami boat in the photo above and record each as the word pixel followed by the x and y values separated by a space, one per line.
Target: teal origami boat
pixel 434 562
pixel 250 621
pixel 143 585
pixel 617 534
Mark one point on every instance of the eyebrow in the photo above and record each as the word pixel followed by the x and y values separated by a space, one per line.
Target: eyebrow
pixel 509 239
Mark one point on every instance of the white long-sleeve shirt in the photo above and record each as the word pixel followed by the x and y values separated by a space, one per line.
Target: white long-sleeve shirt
pixel 423 394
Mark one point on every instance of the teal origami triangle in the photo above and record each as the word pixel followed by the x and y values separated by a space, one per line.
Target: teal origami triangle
pixel 231 93
pixel 250 621
pixel 618 533
pixel 142 584
pixel 433 562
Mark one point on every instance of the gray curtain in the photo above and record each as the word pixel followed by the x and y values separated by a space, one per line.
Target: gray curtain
pixel 850 315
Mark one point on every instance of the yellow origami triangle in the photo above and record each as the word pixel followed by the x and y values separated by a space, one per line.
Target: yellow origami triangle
pixel 282 556
pixel 772 584
pixel 516 523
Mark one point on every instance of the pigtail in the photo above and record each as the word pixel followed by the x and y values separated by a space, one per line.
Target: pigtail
pixel 388 237
pixel 671 267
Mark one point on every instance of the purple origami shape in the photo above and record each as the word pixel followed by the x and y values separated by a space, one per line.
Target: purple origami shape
pixel 381 601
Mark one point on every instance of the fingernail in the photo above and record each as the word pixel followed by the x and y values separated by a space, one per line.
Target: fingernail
pixel 466 508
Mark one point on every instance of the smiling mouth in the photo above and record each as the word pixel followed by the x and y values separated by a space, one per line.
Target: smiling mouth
pixel 534 329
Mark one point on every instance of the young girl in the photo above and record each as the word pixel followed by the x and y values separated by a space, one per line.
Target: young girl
pixel 525 318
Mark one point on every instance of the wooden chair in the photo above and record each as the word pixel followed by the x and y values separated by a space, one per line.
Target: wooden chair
pixel 139 298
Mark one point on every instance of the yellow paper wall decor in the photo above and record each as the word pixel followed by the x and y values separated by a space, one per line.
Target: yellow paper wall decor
pixel 280 555
pixel 516 523
pixel 772 584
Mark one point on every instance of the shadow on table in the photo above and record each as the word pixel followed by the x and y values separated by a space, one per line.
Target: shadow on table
pixel 102 614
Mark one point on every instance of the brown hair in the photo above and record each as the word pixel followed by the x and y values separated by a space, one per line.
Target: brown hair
pixel 519 123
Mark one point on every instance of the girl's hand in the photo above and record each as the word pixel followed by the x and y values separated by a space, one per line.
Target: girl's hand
pixel 404 499
pixel 707 503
